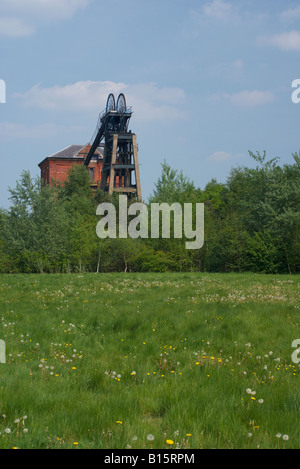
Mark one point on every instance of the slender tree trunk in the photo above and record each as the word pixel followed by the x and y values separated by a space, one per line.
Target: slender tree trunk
pixel 98 263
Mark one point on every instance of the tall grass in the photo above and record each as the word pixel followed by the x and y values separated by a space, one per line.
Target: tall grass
pixel 104 361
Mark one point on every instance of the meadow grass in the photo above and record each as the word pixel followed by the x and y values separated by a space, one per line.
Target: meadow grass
pixel 104 361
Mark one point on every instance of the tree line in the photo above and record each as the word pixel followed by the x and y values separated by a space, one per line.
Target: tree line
pixel 252 223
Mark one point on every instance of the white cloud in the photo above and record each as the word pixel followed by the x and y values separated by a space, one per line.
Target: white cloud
pixel 80 96
pixel 251 98
pixel 21 18
pixel 218 9
pixel 53 9
pixel 226 12
pixel 238 64
pixel 10 131
pixel 153 103
pixel 147 99
pixel 291 14
pixel 222 156
pixel 15 27
pixel 289 41
pixel 245 98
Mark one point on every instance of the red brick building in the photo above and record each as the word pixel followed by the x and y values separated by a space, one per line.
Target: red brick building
pixel 56 167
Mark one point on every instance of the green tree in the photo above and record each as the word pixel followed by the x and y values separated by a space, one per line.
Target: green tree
pixel 77 183
pixel 36 227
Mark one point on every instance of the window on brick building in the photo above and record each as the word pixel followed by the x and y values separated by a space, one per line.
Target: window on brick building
pixel 91 174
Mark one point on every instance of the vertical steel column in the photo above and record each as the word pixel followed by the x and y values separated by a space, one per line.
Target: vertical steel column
pixel 112 163
pixel 137 169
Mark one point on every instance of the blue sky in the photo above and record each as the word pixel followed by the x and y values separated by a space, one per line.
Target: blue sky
pixel 207 80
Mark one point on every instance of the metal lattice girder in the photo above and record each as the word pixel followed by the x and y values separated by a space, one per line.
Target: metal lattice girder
pixel 120 159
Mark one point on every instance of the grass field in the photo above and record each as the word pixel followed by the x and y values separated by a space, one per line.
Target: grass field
pixel 149 361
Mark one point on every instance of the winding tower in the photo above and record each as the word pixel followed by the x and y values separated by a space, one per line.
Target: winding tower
pixel 120 169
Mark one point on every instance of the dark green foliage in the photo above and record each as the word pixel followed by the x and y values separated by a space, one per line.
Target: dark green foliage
pixel 252 223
